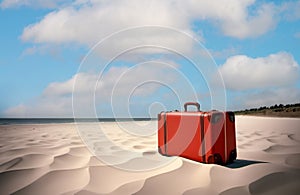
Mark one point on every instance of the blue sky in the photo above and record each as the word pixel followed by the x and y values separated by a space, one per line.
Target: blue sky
pixel 49 47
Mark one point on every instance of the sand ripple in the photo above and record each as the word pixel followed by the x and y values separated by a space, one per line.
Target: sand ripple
pixel 281 182
pixel 51 159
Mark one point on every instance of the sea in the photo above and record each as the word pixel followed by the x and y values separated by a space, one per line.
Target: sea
pixel 14 121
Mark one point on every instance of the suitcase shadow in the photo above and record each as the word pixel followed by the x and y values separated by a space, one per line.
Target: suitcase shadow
pixel 238 163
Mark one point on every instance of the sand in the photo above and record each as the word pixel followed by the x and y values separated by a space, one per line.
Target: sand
pixel 52 159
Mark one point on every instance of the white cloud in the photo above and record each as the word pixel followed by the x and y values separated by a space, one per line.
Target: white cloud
pixel 87 22
pixel 16 111
pixel 290 10
pixel 251 26
pixel 236 18
pixel 91 23
pixel 42 107
pixel 54 51
pixel 33 3
pixel 240 19
pixel 269 97
pixel 124 80
pixel 242 72
pixel 262 81
pixel 223 54
pixel 118 83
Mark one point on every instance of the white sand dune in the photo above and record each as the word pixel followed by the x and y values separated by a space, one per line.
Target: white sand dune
pixel 52 159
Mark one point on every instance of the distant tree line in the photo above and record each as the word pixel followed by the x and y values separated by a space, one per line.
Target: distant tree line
pixel 275 108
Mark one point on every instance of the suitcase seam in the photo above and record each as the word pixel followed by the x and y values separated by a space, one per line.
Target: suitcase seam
pixel 202 137
pixel 225 134
pixel 165 132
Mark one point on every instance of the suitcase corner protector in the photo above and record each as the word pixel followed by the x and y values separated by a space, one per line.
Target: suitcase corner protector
pixel 160 151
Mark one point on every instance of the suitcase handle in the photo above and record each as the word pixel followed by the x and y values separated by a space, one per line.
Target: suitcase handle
pixel 192 104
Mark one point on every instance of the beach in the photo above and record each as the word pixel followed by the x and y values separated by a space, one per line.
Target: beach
pixel 55 159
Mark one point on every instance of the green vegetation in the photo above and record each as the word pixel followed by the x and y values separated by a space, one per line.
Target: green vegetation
pixel 288 110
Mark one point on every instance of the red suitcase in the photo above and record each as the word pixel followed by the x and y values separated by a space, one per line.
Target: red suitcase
pixel 207 137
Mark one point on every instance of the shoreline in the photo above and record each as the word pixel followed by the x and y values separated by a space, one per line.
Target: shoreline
pixel 56 121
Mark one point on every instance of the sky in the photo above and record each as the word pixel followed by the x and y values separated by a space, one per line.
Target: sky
pixel 96 58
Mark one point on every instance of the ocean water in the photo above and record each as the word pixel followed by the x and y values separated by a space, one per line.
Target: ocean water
pixel 10 121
